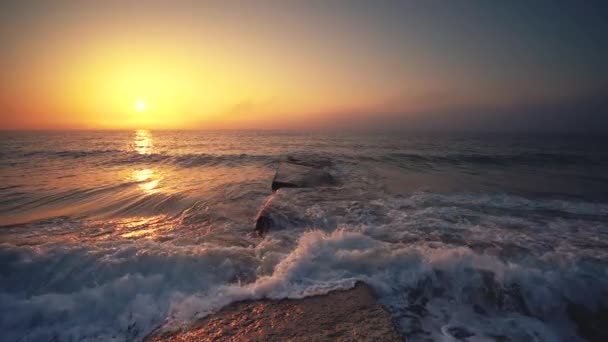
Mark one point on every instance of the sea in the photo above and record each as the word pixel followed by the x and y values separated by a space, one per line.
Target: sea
pixel 109 235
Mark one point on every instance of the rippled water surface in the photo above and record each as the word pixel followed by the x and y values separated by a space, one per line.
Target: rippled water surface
pixel 108 235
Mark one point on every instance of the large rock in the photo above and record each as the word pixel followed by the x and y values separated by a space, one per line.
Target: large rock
pixel 321 208
pixel 591 324
pixel 351 315
pixel 291 175
pixel 291 208
pixel 296 171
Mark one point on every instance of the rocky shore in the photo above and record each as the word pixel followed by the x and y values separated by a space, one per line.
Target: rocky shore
pixel 347 315
pixel 350 315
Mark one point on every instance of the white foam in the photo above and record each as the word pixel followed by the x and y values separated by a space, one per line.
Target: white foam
pixel 322 262
pixel 518 287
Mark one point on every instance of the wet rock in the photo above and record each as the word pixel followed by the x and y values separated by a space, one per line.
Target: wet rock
pixel 305 208
pixel 286 209
pixel 263 223
pixel 459 333
pixel 296 171
pixel 350 315
pixel 497 296
pixel 591 324
pixel 272 215
pixel 291 175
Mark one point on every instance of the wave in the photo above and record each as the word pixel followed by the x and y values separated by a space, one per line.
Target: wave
pixel 533 159
pixel 103 292
pixel 118 157
pixel 115 201
pixel 126 290
pixel 188 160
pixel 510 203
pixel 69 153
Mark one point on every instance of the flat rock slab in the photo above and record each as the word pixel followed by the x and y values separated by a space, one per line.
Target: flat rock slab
pixel 351 315
pixel 291 175
pixel 321 208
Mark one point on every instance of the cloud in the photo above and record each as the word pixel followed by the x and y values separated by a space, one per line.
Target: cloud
pixel 245 108
pixel 452 110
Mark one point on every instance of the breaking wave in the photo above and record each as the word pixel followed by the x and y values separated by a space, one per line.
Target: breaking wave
pixel 126 291
pixel 515 273
pixel 111 235
pixel 118 157
pixel 527 158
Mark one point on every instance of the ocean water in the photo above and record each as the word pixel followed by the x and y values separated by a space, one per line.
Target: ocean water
pixel 107 235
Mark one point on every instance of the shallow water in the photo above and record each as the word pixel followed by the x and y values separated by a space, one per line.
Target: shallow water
pixel 108 235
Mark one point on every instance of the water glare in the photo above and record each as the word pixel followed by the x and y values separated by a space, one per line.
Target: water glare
pixel 148 180
pixel 143 141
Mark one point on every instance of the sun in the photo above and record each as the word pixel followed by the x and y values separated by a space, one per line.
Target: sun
pixel 140 105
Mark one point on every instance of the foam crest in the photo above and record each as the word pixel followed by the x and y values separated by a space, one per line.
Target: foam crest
pixel 446 267
pixel 106 290
pixel 431 289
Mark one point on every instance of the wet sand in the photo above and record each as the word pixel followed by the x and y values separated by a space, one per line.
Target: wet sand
pixel 351 315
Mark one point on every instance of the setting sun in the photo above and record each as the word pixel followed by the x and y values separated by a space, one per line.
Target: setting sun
pixel 140 106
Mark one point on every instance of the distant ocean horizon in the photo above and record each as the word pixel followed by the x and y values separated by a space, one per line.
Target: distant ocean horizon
pixel 108 234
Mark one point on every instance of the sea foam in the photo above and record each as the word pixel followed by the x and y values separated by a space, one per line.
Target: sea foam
pixel 111 290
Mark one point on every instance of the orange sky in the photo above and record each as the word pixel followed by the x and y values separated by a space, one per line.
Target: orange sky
pixel 75 64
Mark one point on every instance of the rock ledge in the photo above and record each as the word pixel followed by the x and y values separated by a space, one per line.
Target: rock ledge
pixel 350 315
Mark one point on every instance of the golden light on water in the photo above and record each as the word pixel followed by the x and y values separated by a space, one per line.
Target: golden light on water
pixel 139 233
pixel 148 180
pixel 137 227
pixel 143 141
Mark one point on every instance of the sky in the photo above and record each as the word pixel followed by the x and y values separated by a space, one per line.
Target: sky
pixel 444 65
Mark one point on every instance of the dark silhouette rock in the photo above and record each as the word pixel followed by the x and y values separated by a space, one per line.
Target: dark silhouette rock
pixel 301 171
pixel 290 175
pixel 263 223
pixel 460 333
pixel 280 210
pixel 591 324
pixel 300 208
pixel 263 219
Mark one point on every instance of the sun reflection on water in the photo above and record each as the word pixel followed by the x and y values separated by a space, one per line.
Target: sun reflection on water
pixel 140 233
pixel 140 227
pixel 148 180
pixel 143 141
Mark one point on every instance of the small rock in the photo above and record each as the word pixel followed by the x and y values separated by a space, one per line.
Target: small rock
pixel 460 333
